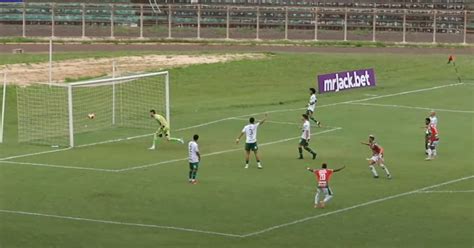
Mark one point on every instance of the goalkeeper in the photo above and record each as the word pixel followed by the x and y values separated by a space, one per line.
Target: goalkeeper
pixel 164 129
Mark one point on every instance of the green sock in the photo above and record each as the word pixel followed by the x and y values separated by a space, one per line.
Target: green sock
pixel 194 174
pixel 175 140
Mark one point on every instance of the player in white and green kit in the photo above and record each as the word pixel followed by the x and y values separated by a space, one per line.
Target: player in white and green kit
pixel 250 132
pixel 163 129
pixel 194 157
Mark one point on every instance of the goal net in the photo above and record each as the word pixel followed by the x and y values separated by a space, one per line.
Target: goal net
pixel 91 111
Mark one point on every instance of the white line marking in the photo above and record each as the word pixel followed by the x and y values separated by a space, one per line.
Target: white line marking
pixel 58 166
pixel 231 234
pixel 276 122
pixel 413 107
pixel 447 191
pixel 118 223
pixel 34 154
pixel 258 113
pixel 221 152
pixel 353 207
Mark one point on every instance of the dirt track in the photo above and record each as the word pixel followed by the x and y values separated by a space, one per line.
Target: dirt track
pixel 38 48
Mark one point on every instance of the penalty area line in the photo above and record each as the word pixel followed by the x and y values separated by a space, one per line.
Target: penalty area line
pixel 224 151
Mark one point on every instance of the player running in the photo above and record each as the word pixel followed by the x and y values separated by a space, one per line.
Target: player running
pixel 377 157
pixel 163 129
pixel 305 138
pixel 194 157
pixel 312 105
pixel 250 132
pixel 323 176
pixel 433 139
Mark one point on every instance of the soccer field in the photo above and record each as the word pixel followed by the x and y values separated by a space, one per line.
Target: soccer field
pixel 120 194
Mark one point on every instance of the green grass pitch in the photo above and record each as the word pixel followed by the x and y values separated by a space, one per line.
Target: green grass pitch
pixel 122 195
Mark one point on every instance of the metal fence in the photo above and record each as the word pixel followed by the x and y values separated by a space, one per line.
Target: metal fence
pixel 235 22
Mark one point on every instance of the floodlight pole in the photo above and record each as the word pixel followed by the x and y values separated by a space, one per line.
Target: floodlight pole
pixel 286 23
pixel 227 36
pixel 316 24
pixel 345 24
pixel 465 27
pixel 434 26
pixel 199 21
pixel 404 26
pixel 112 16
pixel 257 35
pixel 83 20
pixel 169 21
pixel 374 23
pixel 50 68
pixel 24 21
pixel 141 21
pixel 52 20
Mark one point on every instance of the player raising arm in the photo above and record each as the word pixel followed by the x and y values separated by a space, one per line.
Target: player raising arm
pixel 312 105
pixel 323 176
pixel 377 157
pixel 305 137
pixel 250 132
pixel 163 129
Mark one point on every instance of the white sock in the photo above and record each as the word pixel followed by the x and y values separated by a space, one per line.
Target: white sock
pixel 372 169
pixel 327 198
pixel 385 169
pixel 434 152
pixel 259 164
pixel 430 152
pixel 316 198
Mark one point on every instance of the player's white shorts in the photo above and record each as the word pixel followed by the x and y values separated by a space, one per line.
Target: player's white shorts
pixel 311 108
pixel 377 158
pixel 324 190
pixel 434 143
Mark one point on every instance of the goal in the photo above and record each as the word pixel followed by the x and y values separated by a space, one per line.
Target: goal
pixel 91 111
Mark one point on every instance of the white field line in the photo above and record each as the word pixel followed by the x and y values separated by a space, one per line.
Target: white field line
pixel 148 165
pixel 117 223
pixel 276 122
pixel 231 234
pixel 240 116
pixel 224 151
pixel 58 166
pixel 413 107
pixel 34 154
pixel 354 207
pixel 446 191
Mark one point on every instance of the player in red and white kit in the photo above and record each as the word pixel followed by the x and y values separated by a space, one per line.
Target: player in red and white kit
pixel 377 157
pixel 323 176
pixel 433 138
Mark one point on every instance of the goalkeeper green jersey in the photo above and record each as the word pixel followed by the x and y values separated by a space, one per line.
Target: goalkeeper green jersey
pixel 161 120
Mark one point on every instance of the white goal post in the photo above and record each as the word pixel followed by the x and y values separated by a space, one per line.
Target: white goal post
pixel 91 111
pixel 3 102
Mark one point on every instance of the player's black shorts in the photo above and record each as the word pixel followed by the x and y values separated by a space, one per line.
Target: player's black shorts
pixel 304 142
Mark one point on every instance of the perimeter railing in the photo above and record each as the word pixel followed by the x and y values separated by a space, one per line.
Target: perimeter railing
pixel 198 21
